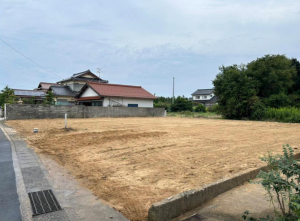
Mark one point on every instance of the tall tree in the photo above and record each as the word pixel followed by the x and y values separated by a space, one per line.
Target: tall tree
pixel 7 96
pixel 274 73
pixel 296 86
pixel 49 99
pixel 236 92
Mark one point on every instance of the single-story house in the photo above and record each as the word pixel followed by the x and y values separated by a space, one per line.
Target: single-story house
pixel 114 95
pixel 205 97
pixel 63 95
pixel 36 96
pixel 78 80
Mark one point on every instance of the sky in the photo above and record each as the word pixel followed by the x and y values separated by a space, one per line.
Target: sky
pixel 144 43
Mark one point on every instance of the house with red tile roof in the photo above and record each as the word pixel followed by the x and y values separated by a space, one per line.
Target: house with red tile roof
pixel 114 95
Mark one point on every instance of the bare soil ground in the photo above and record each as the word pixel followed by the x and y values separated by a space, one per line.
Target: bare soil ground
pixel 133 162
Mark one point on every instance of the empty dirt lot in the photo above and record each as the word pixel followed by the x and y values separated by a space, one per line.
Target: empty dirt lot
pixel 133 162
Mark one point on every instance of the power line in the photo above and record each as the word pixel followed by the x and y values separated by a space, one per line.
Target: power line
pixel 21 65
pixel 29 59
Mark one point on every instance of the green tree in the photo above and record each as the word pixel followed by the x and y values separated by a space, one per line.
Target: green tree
pixel 296 87
pixel 237 92
pixel 28 101
pixel 279 100
pixel 274 74
pixel 182 104
pixel 7 96
pixel 163 102
pixel 49 98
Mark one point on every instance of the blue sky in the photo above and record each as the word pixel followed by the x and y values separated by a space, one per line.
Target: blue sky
pixel 143 43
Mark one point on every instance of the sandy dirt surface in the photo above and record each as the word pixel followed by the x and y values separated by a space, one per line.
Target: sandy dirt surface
pixel 133 162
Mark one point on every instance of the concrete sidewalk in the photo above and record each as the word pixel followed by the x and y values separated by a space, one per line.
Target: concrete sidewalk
pixel 231 205
pixel 32 175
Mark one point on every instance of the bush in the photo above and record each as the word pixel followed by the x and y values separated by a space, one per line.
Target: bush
pixel 281 183
pixel 213 108
pixel 258 111
pixel 182 104
pixel 200 108
pixel 167 106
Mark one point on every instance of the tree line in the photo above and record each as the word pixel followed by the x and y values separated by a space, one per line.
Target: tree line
pixel 245 91
pixel 180 103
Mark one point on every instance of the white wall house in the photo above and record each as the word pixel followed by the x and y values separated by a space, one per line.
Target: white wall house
pixel 78 80
pixel 114 95
pixel 205 97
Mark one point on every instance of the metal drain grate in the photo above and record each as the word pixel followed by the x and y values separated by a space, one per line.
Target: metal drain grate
pixel 43 202
pixel 195 217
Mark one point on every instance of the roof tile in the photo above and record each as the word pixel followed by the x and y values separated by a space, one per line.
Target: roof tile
pixel 117 90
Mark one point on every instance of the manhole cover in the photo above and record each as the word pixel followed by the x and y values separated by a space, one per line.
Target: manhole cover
pixel 43 202
pixel 195 217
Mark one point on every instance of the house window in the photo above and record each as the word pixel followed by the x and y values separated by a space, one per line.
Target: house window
pixel 197 97
pixel 204 97
pixel 97 103
pixel 133 105
pixel 211 95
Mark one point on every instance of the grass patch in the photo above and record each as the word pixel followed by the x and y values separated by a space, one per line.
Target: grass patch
pixel 194 114
pixel 284 114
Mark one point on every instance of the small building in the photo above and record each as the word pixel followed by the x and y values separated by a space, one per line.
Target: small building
pixel 77 81
pixel 114 95
pixel 205 97
pixel 63 95
pixel 29 96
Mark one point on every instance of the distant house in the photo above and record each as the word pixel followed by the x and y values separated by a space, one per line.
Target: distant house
pixel 63 95
pixel 114 95
pixel 44 86
pixel 77 81
pixel 205 97
pixel 36 96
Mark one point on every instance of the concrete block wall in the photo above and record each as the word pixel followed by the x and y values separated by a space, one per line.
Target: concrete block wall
pixel 35 111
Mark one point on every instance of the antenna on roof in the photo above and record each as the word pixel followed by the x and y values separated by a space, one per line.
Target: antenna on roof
pixel 99 71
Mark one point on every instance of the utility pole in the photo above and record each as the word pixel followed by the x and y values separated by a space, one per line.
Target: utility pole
pixel 173 90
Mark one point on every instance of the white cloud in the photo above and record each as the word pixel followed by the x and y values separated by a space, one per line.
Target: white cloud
pixel 146 42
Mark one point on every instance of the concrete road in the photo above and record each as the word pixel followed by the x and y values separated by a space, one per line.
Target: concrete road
pixel 9 200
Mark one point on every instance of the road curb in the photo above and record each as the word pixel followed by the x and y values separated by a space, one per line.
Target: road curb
pixel 179 204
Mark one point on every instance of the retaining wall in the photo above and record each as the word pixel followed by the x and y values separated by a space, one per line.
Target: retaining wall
pixel 177 205
pixel 35 111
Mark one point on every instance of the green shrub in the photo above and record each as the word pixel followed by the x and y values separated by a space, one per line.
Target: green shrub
pixel 258 111
pixel 282 185
pixel 213 108
pixel 200 108
pixel 167 106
